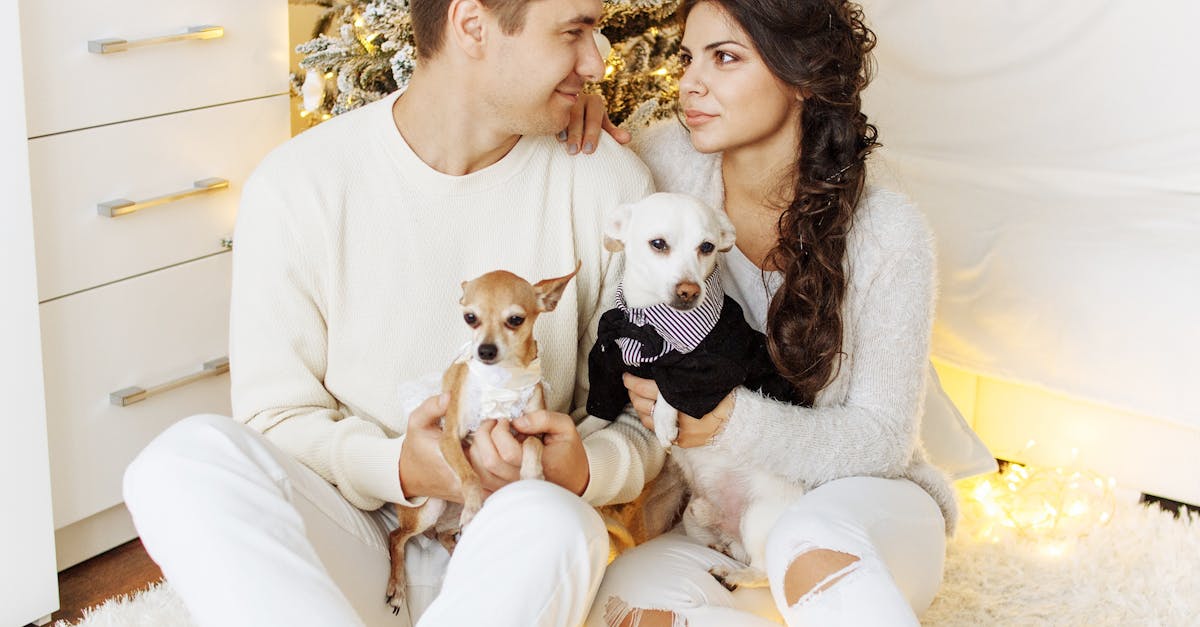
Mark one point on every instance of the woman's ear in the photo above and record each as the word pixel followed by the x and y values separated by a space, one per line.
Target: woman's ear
pixel 615 222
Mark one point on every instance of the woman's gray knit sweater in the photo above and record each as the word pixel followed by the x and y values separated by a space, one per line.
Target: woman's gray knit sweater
pixel 866 422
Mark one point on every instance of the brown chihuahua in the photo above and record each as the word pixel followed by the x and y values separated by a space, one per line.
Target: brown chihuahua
pixel 497 376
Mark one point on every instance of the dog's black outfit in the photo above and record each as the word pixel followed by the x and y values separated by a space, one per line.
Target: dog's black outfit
pixel 720 351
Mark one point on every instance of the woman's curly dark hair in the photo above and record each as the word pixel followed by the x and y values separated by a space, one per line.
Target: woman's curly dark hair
pixel 821 48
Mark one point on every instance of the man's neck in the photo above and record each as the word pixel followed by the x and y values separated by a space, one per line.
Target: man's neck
pixel 447 128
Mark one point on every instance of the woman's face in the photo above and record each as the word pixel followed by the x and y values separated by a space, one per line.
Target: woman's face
pixel 730 99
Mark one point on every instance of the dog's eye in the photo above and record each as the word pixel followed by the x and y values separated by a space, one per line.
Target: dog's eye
pixel 659 244
pixel 707 248
pixel 515 321
pixel 471 319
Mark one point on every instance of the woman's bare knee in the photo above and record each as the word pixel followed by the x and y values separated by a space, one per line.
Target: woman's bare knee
pixel 814 571
pixel 617 613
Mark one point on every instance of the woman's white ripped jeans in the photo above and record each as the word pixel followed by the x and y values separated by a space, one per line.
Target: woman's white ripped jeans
pixel 890 530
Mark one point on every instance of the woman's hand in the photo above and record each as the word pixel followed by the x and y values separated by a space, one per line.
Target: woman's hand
pixel 692 431
pixel 589 115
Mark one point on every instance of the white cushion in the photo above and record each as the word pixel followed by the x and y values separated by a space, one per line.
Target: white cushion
pixel 949 441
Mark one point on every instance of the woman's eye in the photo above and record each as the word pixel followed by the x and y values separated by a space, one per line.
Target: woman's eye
pixel 658 244
pixel 724 57
pixel 685 59
pixel 515 321
pixel 470 319
pixel 707 248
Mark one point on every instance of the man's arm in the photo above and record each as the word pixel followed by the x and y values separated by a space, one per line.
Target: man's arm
pixel 278 349
pixel 622 455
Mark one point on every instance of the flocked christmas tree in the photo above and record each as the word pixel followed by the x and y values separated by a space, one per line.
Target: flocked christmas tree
pixel 362 50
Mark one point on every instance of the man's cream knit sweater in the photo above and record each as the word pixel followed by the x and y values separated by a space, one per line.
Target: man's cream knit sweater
pixel 348 260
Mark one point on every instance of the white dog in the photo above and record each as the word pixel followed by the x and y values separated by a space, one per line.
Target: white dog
pixel 674 324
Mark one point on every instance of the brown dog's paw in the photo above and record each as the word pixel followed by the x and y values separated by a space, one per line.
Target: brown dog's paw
pixel 395 594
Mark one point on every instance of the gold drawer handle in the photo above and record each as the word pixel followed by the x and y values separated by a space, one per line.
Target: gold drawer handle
pixel 122 206
pixel 109 46
pixel 131 395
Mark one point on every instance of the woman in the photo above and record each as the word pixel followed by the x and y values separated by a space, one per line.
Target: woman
pixel 841 279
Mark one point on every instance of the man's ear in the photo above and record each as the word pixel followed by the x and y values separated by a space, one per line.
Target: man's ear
pixel 726 233
pixel 615 222
pixel 550 291
pixel 467 26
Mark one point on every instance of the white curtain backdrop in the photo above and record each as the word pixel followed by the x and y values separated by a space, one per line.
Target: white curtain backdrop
pixel 1055 147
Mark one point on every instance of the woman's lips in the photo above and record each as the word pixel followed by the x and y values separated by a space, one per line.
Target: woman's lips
pixel 695 117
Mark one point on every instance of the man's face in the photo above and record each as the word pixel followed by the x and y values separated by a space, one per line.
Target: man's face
pixel 535 76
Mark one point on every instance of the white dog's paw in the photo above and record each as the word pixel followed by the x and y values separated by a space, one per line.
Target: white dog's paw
pixel 666 423
pixel 733 579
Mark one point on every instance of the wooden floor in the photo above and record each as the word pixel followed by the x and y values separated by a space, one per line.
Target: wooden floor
pixel 119 571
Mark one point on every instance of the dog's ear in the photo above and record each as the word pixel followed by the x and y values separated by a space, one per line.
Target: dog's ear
pixel 462 300
pixel 726 233
pixel 615 221
pixel 549 291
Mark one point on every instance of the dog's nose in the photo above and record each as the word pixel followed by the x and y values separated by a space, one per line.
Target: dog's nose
pixel 687 292
pixel 487 352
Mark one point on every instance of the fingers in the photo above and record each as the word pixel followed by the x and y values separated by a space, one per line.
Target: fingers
pixel 507 446
pixel 645 410
pixel 489 463
pixel 589 117
pixel 594 117
pixel 428 413
pixel 645 388
pixel 621 135
pixel 551 425
pixel 575 126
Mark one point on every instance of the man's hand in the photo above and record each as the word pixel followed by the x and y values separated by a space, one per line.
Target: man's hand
pixel 495 454
pixel 643 393
pixel 564 460
pixel 589 115
pixel 423 470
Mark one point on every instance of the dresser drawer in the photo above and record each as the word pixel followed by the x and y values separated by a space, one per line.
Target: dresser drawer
pixel 145 332
pixel 70 174
pixel 68 87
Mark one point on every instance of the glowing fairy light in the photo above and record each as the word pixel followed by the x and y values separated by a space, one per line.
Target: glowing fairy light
pixel 1048 506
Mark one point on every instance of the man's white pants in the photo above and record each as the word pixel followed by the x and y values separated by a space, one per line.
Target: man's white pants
pixel 247 535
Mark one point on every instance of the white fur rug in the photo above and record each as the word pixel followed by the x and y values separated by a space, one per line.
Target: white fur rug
pixel 1142 568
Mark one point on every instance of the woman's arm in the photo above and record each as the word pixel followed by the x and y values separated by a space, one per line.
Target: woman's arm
pixel 876 429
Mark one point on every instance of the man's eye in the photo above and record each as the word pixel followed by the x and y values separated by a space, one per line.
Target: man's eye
pixel 707 248
pixel 471 319
pixel 515 321
pixel 659 244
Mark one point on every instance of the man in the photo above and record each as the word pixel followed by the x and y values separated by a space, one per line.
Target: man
pixel 352 241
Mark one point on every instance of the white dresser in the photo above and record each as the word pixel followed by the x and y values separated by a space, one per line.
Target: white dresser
pixel 143 120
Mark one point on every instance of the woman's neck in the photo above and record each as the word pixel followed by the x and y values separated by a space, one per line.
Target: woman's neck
pixel 758 184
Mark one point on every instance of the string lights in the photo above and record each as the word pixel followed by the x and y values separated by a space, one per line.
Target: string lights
pixel 1048 506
